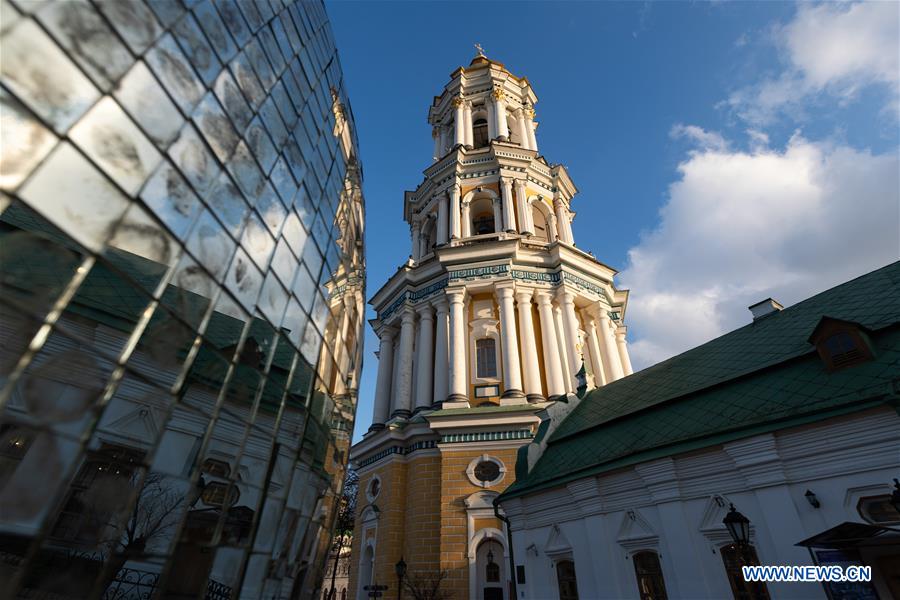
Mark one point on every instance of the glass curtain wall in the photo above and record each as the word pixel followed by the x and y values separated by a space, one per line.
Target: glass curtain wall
pixel 181 303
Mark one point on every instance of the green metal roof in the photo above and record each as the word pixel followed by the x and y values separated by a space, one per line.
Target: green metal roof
pixel 761 377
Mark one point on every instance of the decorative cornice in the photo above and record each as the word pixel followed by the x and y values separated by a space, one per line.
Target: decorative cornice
pixel 398 449
pixel 488 436
pixel 553 278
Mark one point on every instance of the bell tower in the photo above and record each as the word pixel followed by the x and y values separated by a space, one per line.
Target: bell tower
pixel 495 315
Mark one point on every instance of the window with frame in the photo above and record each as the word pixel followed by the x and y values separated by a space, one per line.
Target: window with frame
pixel 541 229
pixel 648 571
pixel 734 558
pixel 843 349
pixel 486 357
pixel 492 572
pixel 479 133
pixel 878 510
pixel 566 581
pixel 106 473
pixel 483 224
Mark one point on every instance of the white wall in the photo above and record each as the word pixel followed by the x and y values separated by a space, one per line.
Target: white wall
pixel 676 513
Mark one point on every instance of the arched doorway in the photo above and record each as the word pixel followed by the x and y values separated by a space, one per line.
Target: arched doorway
pixel 490 571
pixel 366 569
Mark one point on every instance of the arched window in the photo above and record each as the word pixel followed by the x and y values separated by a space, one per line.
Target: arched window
pixel 541 227
pixel 492 572
pixel 480 133
pixel 734 558
pixel 648 571
pixel 565 579
pixel 512 124
pixel 482 215
pixel 486 357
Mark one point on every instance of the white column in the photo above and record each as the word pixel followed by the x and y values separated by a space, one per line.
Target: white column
pixel 466 220
pixel 383 385
pixel 563 352
pixel 416 245
pixel 524 220
pixel 500 114
pixel 608 347
pixel 436 136
pixel 512 370
pixel 530 367
pixel 596 355
pixel 469 135
pixel 458 387
pixel 459 122
pixel 403 397
pixel 454 212
pixel 424 364
pixel 622 344
pixel 529 125
pixel 554 232
pixel 442 233
pixel 441 350
pixel 509 216
pixel 563 225
pixel 523 129
pixel 444 142
pixel 570 322
pixel 498 215
pixel 555 387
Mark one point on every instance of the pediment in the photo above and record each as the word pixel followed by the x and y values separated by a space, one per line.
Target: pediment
pixel 557 544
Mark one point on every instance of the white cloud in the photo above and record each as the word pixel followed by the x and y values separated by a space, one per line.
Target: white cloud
pixel 831 48
pixel 739 226
pixel 706 140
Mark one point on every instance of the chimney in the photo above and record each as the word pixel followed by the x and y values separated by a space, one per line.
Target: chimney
pixel 764 308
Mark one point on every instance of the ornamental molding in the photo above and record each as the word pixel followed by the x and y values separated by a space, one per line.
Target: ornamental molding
pixel 486 436
pixel 397 449
pixel 635 533
pixel 551 278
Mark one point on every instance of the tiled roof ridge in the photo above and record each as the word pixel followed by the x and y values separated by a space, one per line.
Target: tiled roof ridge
pixel 729 378
pixel 862 403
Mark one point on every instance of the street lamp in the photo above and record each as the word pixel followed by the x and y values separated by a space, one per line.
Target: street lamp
pixel 738 526
pixel 400 569
pixel 895 495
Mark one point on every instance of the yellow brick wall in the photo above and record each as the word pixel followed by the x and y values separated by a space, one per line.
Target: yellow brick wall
pixel 455 488
pixel 423 516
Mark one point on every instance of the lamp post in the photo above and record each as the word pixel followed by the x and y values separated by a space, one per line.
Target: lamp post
pixel 739 529
pixel 400 569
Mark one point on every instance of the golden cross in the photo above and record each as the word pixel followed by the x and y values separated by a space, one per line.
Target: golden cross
pixel 479 49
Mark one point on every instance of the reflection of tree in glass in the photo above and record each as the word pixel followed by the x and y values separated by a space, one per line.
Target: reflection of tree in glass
pixel 343 527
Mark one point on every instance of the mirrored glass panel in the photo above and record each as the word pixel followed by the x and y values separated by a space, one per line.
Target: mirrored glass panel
pixel 181 298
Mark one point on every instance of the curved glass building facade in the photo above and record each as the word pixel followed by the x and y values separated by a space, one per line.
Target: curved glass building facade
pixel 182 301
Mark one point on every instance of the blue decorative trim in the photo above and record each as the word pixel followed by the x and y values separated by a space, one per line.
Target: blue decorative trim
pixel 402 450
pixel 490 436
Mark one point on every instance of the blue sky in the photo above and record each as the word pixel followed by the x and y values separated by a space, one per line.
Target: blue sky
pixel 723 152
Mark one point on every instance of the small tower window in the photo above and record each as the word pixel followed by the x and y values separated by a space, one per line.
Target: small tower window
pixel 541 230
pixel 483 224
pixel 486 357
pixel 842 348
pixel 479 133
pixel 840 343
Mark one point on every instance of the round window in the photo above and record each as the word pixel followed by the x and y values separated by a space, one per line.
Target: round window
pixel 487 470
pixel 374 488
